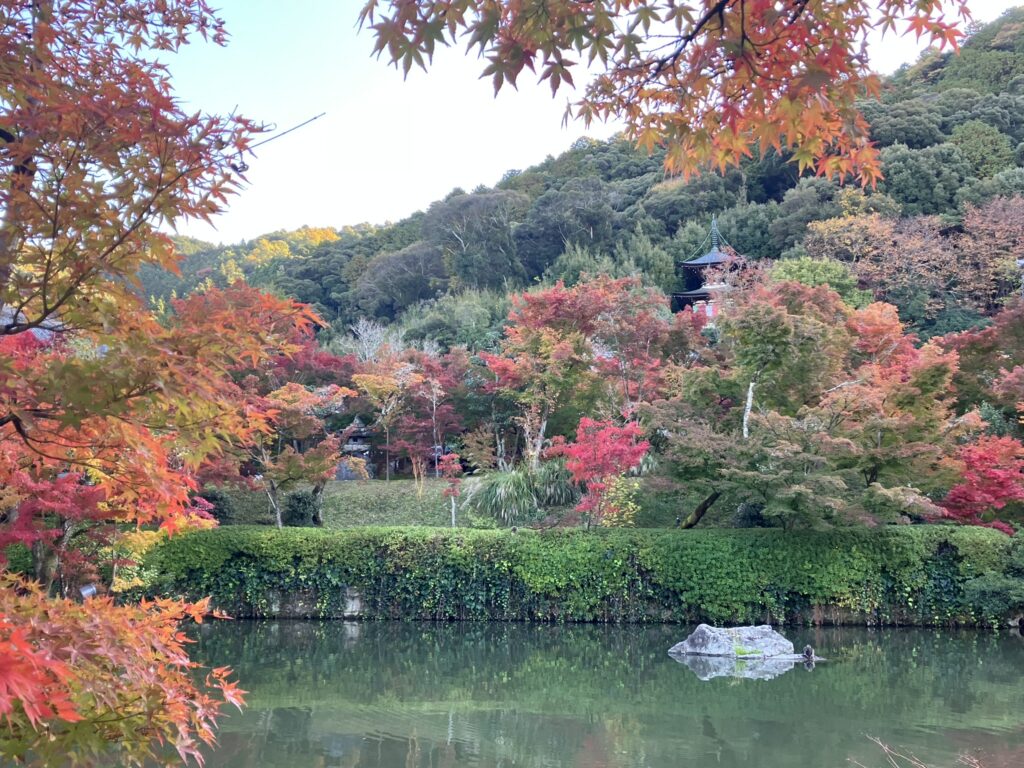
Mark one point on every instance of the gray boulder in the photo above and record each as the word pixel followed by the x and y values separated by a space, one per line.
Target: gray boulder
pixel 736 643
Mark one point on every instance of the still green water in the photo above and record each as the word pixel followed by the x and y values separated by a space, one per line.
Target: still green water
pixel 397 695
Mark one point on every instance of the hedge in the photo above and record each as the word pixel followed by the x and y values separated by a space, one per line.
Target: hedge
pixel 926 575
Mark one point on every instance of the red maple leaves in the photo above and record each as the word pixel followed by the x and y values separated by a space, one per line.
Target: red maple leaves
pixel 601 453
pixel 992 477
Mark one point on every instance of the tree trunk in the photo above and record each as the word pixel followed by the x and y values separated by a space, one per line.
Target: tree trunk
pixel 387 453
pixel 453 511
pixel 499 450
pixel 44 565
pixel 437 438
pixel 694 517
pixel 271 488
pixel 318 509
pixel 747 409
pixel 46 559
pixel 536 445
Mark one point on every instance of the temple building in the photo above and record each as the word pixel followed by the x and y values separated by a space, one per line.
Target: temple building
pixel 697 293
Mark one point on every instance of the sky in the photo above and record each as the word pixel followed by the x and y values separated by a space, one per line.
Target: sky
pixel 387 146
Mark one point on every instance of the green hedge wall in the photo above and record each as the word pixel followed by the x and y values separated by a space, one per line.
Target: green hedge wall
pixel 932 575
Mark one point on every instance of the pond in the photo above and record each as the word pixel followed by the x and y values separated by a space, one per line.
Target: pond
pixel 408 695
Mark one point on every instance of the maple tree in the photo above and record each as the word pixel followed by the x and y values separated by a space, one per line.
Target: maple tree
pixel 602 340
pixel 634 333
pixel 388 392
pixel 105 428
pixel 298 450
pixel 107 409
pixel 602 453
pixel 123 691
pixel 95 153
pixel 785 339
pixel 429 415
pixel 131 410
pixel 710 80
pixel 849 418
pixel 545 359
pixel 992 478
pixel 925 267
pixel 991 360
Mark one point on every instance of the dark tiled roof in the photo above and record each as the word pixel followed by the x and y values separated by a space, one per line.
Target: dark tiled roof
pixel 714 256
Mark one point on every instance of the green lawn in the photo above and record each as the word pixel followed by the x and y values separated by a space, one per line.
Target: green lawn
pixel 349 504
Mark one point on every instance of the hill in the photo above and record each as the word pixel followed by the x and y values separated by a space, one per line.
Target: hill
pixel 951 129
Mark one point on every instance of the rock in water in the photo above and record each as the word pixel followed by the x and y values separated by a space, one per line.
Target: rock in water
pixel 735 642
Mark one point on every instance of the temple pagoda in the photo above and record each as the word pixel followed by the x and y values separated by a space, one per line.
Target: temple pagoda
pixel 697 293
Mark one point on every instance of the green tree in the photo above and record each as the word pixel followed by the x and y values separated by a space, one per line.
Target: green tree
pixel 580 213
pixel 472 319
pixel 914 122
pixel 577 262
pixel 639 255
pixel 813 272
pixel 393 281
pixel 924 181
pixel 986 148
pixel 747 228
pixel 676 201
pixel 475 234
pixel 991 58
pixel 810 200
pixel 1008 183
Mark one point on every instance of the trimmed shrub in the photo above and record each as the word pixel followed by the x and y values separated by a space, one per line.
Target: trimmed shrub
pixel 924 575
pixel 299 509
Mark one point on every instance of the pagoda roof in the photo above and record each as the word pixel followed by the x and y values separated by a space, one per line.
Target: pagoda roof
pixel 714 256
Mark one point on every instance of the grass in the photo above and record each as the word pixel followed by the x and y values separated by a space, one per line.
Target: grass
pixel 400 502
pixel 381 502
pixel 349 504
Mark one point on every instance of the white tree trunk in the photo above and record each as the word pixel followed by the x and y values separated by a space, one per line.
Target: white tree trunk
pixel 271 488
pixel 747 409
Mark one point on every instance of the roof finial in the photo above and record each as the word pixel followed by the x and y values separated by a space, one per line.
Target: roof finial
pixel 715 235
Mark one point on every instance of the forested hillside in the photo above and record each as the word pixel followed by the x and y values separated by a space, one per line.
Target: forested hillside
pixel 937 238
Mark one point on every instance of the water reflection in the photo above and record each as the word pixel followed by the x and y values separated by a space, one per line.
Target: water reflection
pixel 507 696
pixel 710 667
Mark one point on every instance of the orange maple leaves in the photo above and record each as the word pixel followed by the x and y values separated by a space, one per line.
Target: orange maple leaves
pixel 712 81
pixel 126 674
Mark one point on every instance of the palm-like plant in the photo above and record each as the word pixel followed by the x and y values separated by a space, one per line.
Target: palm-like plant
pixel 521 493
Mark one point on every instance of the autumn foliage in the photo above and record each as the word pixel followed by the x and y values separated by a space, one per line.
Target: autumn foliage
pixel 710 80
pixel 992 477
pixel 124 691
pixel 601 453
pixel 791 405
pixel 107 409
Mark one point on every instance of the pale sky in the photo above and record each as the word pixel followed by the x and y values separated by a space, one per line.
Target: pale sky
pixel 386 147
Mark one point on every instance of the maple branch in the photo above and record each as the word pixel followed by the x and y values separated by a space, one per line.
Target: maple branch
pixel 718 9
pixel 843 385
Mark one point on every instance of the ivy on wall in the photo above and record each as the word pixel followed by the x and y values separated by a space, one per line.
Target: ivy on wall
pixel 932 575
